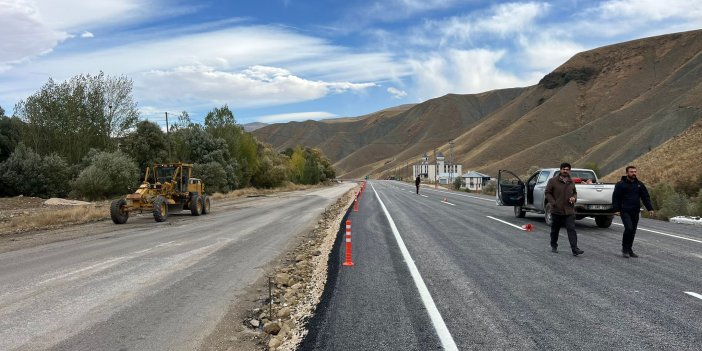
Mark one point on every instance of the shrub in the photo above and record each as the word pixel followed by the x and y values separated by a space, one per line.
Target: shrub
pixel 457 183
pixel 490 187
pixel 675 205
pixel 27 173
pixel 660 193
pixel 273 168
pixel 213 175
pixel 107 174
pixel 698 204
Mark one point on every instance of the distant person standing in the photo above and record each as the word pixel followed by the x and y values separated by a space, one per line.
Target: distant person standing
pixel 626 199
pixel 561 195
pixel 416 183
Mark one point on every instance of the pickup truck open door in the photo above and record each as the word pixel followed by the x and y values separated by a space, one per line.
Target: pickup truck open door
pixel 510 189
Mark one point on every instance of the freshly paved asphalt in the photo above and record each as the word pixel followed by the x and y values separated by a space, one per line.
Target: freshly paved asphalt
pixel 146 285
pixel 497 287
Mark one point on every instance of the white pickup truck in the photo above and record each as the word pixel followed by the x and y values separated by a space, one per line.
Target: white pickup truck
pixel 594 198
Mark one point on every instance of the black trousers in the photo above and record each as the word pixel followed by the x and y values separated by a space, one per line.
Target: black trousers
pixel 630 219
pixel 417 188
pixel 567 221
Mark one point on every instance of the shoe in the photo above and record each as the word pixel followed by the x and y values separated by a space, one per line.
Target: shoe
pixel 632 254
pixel 577 251
pixel 625 254
pixel 554 250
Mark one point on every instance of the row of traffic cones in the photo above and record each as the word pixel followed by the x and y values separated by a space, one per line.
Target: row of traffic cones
pixel 359 195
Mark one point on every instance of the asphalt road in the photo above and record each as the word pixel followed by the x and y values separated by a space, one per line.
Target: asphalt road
pixel 497 287
pixel 146 285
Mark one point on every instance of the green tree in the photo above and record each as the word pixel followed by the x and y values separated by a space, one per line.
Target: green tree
pixel 10 135
pixel 26 172
pixel 147 144
pixel 74 116
pixel 108 174
pixel 213 175
pixel 273 170
pixel 242 147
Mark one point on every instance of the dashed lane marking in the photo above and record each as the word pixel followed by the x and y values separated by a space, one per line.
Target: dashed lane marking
pixel 441 330
pixel 694 294
pixel 661 233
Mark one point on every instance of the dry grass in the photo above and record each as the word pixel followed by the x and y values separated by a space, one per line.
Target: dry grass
pixel 675 160
pixel 251 191
pixel 55 218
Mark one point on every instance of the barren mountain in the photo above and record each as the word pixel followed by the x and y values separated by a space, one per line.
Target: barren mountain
pixel 675 160
pixel 609 106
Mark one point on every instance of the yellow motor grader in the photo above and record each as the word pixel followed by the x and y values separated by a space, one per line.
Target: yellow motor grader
pixel 169 187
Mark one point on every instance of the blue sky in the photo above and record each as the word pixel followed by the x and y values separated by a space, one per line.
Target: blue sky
pixel 282 60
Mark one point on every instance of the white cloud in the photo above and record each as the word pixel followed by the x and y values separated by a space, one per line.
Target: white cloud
pixel 256 86
pixel 639 18
pixel 462 72
pixel 500 20
pixel 545 52
pixel 397 93
pixel 87 34
pixel 296 116
pixel 23 33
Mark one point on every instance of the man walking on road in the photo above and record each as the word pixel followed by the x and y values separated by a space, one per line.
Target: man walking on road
pixel 561 195
pixel 626 200
pixel 416 183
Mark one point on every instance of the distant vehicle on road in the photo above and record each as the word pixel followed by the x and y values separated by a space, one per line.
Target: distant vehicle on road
pixel 594 198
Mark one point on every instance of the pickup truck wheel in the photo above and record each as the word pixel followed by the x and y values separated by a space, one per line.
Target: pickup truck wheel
pixel 604 221
pixel 519 212
pixel 547 216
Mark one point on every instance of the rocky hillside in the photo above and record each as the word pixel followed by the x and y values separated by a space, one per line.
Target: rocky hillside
pixel 608 106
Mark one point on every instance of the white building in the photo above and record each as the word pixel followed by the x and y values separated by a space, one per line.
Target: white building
pixel 474 180
pixel 428 171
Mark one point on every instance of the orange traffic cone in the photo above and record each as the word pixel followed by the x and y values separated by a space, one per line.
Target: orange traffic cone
pixel 348 261
pixel 528 227
pixel 445 199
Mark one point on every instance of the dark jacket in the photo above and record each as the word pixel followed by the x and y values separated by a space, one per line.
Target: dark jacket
pixel 416 181
pixel 558 194
pixel 627 196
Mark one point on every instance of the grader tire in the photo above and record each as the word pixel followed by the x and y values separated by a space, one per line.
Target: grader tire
pixel 195 205
pixel 160 209
pixel 205 204
pixel 117 213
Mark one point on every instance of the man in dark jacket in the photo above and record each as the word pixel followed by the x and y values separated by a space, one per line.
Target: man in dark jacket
pixel 561 196
pixel 626 201
pixel 416 183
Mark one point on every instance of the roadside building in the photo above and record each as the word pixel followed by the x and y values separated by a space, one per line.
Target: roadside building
pixel 474 180
pixel 440 171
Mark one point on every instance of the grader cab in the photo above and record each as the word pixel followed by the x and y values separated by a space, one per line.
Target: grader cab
pixel 167 188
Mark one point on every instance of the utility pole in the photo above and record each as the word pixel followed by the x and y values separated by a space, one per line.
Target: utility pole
pixel 168 140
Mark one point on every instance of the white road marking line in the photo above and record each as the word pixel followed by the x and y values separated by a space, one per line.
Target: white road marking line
pixel 459 194
pixel 448 203
pixel 508 223
pixel 436 319
pixel 424 196
pixel 661 233
pixel 694 294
